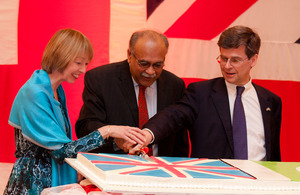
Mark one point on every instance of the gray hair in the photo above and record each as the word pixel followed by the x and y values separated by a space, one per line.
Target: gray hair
pixel 151 34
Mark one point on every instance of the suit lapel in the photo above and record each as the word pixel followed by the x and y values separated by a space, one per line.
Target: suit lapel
pixel 127 89
pixel 161 89
pixel 220 98
pixel 266 110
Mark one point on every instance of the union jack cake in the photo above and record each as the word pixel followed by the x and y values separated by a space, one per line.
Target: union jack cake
pixel 122 169
pixel 121 172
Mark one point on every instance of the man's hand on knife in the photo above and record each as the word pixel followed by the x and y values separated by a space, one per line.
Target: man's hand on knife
pixel 134 148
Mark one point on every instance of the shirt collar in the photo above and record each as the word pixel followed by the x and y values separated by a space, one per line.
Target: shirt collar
pixel 135 84
pixel 232 87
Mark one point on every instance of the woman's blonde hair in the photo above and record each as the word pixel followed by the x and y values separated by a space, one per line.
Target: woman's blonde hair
pixel 63 47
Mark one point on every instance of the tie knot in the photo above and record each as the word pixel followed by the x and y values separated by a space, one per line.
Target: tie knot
pixel 239 90
pixel 142 88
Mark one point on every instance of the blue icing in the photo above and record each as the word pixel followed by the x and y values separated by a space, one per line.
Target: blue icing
pixel 133 157
pixel 206 175
pixel 214 163
pixel 107 167
pixel 155 173
pixel 103 158
pixel 231 172
pixel 217 163
pixel 176 159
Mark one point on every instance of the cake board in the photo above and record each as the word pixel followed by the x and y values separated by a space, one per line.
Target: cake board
pixel 270 183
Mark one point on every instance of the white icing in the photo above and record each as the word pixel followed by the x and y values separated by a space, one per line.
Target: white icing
pixel 242 184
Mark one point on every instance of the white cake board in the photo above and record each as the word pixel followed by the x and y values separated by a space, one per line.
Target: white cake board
pixel 271 186
pixel 256 170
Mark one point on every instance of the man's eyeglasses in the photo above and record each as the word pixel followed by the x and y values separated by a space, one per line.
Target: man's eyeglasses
pixel 235 61
pixel 145 64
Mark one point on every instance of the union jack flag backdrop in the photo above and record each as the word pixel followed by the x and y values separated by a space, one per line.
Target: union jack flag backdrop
pixel 193 27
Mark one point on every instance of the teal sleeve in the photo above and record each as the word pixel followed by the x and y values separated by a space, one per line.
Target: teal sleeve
pixel 84 144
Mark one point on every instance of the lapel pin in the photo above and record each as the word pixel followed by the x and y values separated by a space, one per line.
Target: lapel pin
pixel 268 109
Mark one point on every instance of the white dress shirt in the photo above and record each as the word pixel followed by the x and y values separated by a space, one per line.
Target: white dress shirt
pixel 151 99
pixel 254 121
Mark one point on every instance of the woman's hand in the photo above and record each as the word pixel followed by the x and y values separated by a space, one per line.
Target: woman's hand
pixel 129 134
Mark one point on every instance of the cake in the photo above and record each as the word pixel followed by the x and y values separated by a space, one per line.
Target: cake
pixel 121 172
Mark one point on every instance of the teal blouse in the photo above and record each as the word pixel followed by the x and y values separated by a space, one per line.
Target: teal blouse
pixel 43 138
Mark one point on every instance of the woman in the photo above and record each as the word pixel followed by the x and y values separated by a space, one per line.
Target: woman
pixel 40 118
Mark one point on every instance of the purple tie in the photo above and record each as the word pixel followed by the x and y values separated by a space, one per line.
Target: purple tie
pixel 239 127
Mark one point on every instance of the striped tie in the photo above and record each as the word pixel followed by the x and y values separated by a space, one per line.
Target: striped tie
pixel 143 111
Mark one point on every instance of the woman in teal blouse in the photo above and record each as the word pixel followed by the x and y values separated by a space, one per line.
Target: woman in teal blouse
pixel 40 118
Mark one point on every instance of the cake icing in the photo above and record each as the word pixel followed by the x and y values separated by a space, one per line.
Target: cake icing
pixel 120 171
pixel 161 171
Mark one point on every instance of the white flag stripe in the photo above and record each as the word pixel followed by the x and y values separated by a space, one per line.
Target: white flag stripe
pixel 9 31
pixel 277 24
pixel 192 58
pixel 126 17
pixel 278 62
pixel 167 13
pixel 189 58
pixel 275 20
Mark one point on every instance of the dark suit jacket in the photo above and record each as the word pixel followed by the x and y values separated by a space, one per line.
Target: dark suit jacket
pixel 109 98
pixel 204 110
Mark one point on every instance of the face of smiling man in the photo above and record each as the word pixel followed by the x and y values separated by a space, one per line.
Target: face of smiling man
pixel 239 73
pixel 150 51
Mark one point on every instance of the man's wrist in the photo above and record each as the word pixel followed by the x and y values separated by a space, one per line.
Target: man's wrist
pixel 151 133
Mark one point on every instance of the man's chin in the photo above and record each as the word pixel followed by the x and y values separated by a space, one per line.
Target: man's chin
pixel 147 82
pixel 230 80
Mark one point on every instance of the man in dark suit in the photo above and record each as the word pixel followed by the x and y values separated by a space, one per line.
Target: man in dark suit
pixel 111 91
pixel 207 107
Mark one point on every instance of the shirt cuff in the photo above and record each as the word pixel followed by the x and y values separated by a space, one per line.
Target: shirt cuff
pixel 153 138
pixel 115 147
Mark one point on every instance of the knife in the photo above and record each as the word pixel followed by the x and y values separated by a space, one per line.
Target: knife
pixel 143 153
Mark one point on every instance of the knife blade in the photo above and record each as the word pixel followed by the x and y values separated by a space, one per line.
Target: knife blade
pixel 143 153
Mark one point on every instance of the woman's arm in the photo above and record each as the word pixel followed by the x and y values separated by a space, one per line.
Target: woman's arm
pixel 96 139
pixel 84 144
